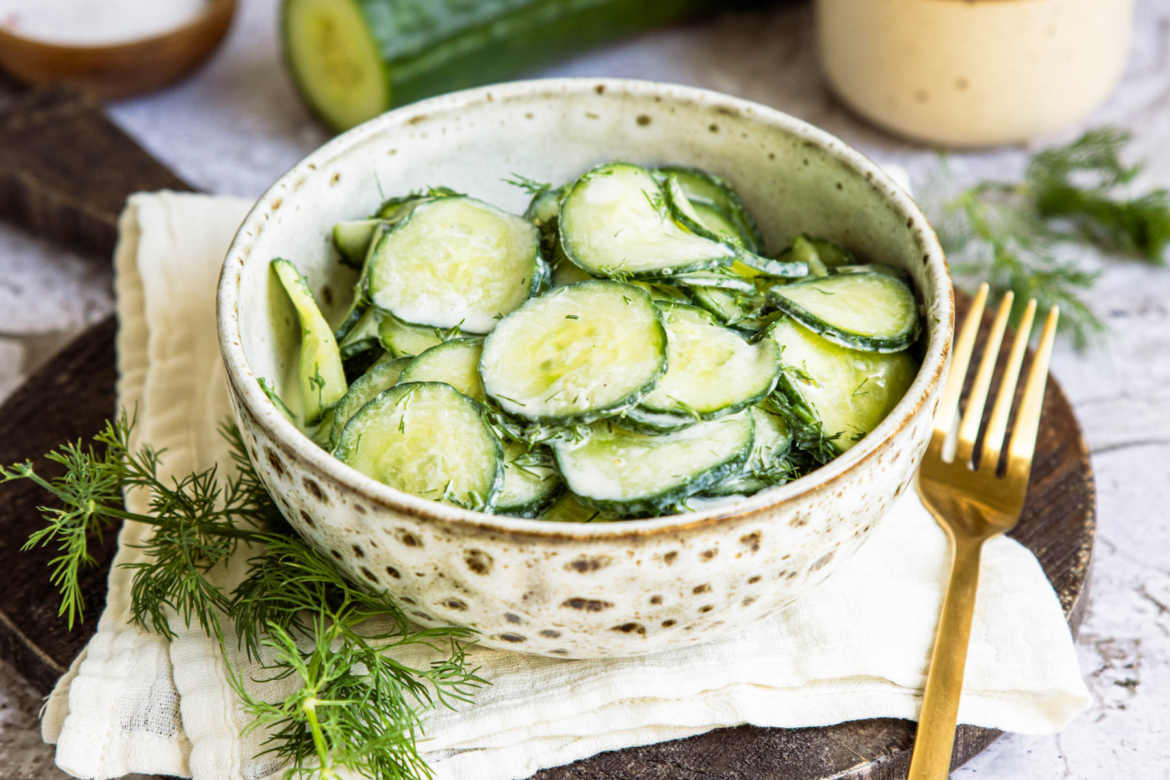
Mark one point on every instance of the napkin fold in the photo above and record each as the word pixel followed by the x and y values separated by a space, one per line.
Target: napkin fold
pixel 856 647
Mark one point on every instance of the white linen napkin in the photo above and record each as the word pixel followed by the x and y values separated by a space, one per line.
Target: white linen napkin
pixel 857 647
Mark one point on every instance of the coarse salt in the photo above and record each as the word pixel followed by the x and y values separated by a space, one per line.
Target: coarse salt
pixel 96 22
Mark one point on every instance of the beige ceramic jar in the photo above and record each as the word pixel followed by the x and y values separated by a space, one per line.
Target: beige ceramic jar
pixel 973 72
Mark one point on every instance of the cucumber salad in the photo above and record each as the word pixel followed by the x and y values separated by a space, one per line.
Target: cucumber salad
pixel 627 348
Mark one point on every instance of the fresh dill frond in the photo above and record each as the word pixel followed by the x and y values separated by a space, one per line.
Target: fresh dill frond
pixel 1010 234
pixel 357 708
pixel 533 188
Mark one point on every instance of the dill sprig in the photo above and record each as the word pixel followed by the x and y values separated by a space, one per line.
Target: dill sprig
pixel 531 186
pixel 356 708
pixel 1009 234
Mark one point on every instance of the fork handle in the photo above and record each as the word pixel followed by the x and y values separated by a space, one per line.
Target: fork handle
pixel 935 739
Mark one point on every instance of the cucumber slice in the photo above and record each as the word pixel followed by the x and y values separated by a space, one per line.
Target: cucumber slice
pixel 718 205
pixel 877 268
pixel 455 262
pixel 362 336
pixel 544 211
pixel 321 376
pixel 712 371
pixel 615 222
pixel 381 376
pixel 569 509
pixel 849 391
pixel 821 254
pixel 455 362
pixel 394 210
pixel 565 273
pixel 427 439
pixel 728 306
pixel 577 354
pixel 872 312
pixel 723 279
pixel 400 338
pixel 683 211
pixel 630 474
pixel 352 240
pixel 531 484
pixel 766 466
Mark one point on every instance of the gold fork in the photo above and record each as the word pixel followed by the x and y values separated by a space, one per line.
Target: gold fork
pixel 973 503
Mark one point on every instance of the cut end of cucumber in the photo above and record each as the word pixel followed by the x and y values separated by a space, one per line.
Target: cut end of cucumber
pixel 335 61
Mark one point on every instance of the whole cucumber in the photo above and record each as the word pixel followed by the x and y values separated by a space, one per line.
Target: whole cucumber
pixel 353 59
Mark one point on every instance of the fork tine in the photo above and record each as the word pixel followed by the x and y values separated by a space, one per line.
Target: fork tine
pixel 997 425
pixel 960 358
pixel 969 428
pixel 1028 420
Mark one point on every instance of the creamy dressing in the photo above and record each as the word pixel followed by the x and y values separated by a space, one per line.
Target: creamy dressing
pixel 96 22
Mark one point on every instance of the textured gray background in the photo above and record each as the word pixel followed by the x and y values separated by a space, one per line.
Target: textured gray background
pixel 235 126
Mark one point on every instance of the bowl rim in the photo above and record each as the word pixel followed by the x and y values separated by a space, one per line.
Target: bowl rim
pixel 283 432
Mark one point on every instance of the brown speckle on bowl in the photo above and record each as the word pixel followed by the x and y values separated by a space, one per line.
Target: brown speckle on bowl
pixel 315 490
pixel 704 588
pixel 478 561
pixel 550 633
pixel 390 570
pixel 630 628
pixel 511 617
pixel 584 564
pixel 513 637
pixel 588 605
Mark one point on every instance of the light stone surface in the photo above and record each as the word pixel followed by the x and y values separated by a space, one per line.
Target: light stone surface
pixel 236 126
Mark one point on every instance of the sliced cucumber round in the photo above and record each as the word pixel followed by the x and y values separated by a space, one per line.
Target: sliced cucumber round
pixel 362 335
pixel 455 362
pixel 455 262
pixel 719 206
pixel 615 222
pixel 848 390
pixel 320 372
pixel 379 377
pixel 683 211
pixel 765 466
pixel 569 509
pixel 712 371
pixel 722 279
pixel 865 311
pixel 565 273
pixel 728 306
pixel 577 354
pixel 352 240
pixel 427 439
pixel 820 254
pixel 630 474
pixel 531 483
pixel 401 339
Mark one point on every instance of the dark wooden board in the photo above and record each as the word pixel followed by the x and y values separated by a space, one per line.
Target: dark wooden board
pixel 74 393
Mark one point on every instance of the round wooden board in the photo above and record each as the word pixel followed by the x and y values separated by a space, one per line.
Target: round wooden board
pixel 72 396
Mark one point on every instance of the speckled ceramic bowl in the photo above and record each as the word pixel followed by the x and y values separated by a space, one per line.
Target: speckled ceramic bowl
pixel 568 590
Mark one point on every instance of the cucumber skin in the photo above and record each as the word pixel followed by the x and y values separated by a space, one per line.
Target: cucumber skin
pixel 841 337
pixel 660 504
pixel 429 47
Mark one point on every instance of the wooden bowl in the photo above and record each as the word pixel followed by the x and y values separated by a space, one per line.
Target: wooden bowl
pixel 123 69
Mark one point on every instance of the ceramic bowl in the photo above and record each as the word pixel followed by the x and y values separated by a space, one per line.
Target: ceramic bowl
pixel 558 589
